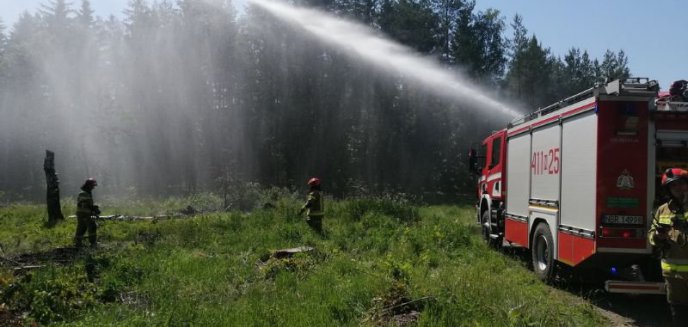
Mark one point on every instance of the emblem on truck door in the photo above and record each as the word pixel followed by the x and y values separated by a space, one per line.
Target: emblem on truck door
pixel 625 181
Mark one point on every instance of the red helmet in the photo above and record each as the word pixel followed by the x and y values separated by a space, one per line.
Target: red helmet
pixel 314 181
pixel 673 174
pixel 91 182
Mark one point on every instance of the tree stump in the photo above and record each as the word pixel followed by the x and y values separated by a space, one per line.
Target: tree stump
pixel 53 189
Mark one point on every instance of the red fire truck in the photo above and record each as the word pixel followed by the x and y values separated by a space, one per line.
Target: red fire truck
pixel 576 182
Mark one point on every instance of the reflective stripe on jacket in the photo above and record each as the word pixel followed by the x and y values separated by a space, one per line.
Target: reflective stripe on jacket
pixel 674 250
pixel 314 204
pixel 674 265
pixel 665 218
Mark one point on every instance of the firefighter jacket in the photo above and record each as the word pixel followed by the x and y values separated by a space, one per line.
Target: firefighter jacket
pixel 314 204
pixel 85 206
pixel 674 250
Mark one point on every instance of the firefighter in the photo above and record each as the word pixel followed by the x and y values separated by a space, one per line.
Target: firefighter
pixel 85 210
pixel 314 206
pixel 669 233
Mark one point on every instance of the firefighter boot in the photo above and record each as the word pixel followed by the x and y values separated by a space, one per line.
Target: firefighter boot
pixel 92 232
pixel 92 239
pixel 78 241
pixel 316 224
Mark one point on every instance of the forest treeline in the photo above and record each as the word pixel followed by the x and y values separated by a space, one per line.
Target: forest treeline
pixel 185 96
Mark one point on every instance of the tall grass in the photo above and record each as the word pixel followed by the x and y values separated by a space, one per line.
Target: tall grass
pixel 216 269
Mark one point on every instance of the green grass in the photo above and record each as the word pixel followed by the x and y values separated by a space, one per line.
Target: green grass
pixel 216 270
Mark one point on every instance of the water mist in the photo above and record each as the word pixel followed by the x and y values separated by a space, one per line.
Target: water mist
pixel 362 41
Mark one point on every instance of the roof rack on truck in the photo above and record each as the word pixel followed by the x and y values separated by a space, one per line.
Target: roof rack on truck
pixel 633 86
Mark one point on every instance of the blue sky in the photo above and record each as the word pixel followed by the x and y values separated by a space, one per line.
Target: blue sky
pixel 652 33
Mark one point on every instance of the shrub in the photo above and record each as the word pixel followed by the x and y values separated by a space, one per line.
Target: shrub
pixel 54 295
pixel 393 206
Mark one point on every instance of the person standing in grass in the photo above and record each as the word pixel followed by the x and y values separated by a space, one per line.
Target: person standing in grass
pixel 85 210
pixel 669 233
pixel 314 206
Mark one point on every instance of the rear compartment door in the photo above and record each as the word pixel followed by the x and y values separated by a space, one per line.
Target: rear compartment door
pixel 622 177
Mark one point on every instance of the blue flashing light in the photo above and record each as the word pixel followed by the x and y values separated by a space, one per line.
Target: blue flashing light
pixel 613 271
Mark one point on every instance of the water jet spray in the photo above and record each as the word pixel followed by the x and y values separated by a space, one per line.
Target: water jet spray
pixel 363 41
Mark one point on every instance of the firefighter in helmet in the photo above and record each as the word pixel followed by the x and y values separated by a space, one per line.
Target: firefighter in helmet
pixel 314 206
pixel 85 210
pixel 669 233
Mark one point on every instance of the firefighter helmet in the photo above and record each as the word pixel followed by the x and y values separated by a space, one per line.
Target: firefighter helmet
pixel 90 183
pixel 314 181
pixel 673 174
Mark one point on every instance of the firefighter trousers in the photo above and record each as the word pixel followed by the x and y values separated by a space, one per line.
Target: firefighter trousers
pixel 677 296
pixel 85 224
pixel 315 222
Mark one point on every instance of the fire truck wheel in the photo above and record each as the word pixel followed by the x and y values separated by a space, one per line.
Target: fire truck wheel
pixel 485 225
pixel 543 257
pixel 487 230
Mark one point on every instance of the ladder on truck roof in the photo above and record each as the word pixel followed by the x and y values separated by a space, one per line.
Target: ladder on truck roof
pixel 633 86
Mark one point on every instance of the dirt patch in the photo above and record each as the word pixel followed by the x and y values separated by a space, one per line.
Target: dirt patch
pixel 406 319
pixel 395 307
pixel 24 263
pixel 8 318
pixel 65 255
pixel 623 310
pixel 634 310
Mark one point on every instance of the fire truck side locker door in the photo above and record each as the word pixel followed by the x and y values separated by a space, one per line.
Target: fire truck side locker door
pixel 578 193
pixel 545 166
pixel 517 189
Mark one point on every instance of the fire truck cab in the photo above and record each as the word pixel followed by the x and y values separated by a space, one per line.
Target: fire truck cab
pixel 576 182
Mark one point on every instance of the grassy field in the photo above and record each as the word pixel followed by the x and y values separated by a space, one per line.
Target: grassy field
pixel 382 262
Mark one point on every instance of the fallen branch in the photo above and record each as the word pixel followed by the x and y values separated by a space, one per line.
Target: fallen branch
pixel 16 269
pixel 127 218
pixel 426 298
pixel 284 253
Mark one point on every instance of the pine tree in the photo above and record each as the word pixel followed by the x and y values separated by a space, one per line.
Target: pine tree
pixel 614 66
pixel 447 12
pixel 412 23
pixel 578 72
pixel 3 56
pixel 85 14
pixel 479 46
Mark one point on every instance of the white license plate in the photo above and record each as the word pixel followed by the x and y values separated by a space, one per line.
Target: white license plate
pixel 621 219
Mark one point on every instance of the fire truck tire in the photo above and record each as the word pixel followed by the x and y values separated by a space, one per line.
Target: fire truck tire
pixel 542 251
pixel 487 230
pixel 484 225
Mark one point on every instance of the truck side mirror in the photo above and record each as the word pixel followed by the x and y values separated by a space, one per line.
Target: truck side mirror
pixel 472 161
